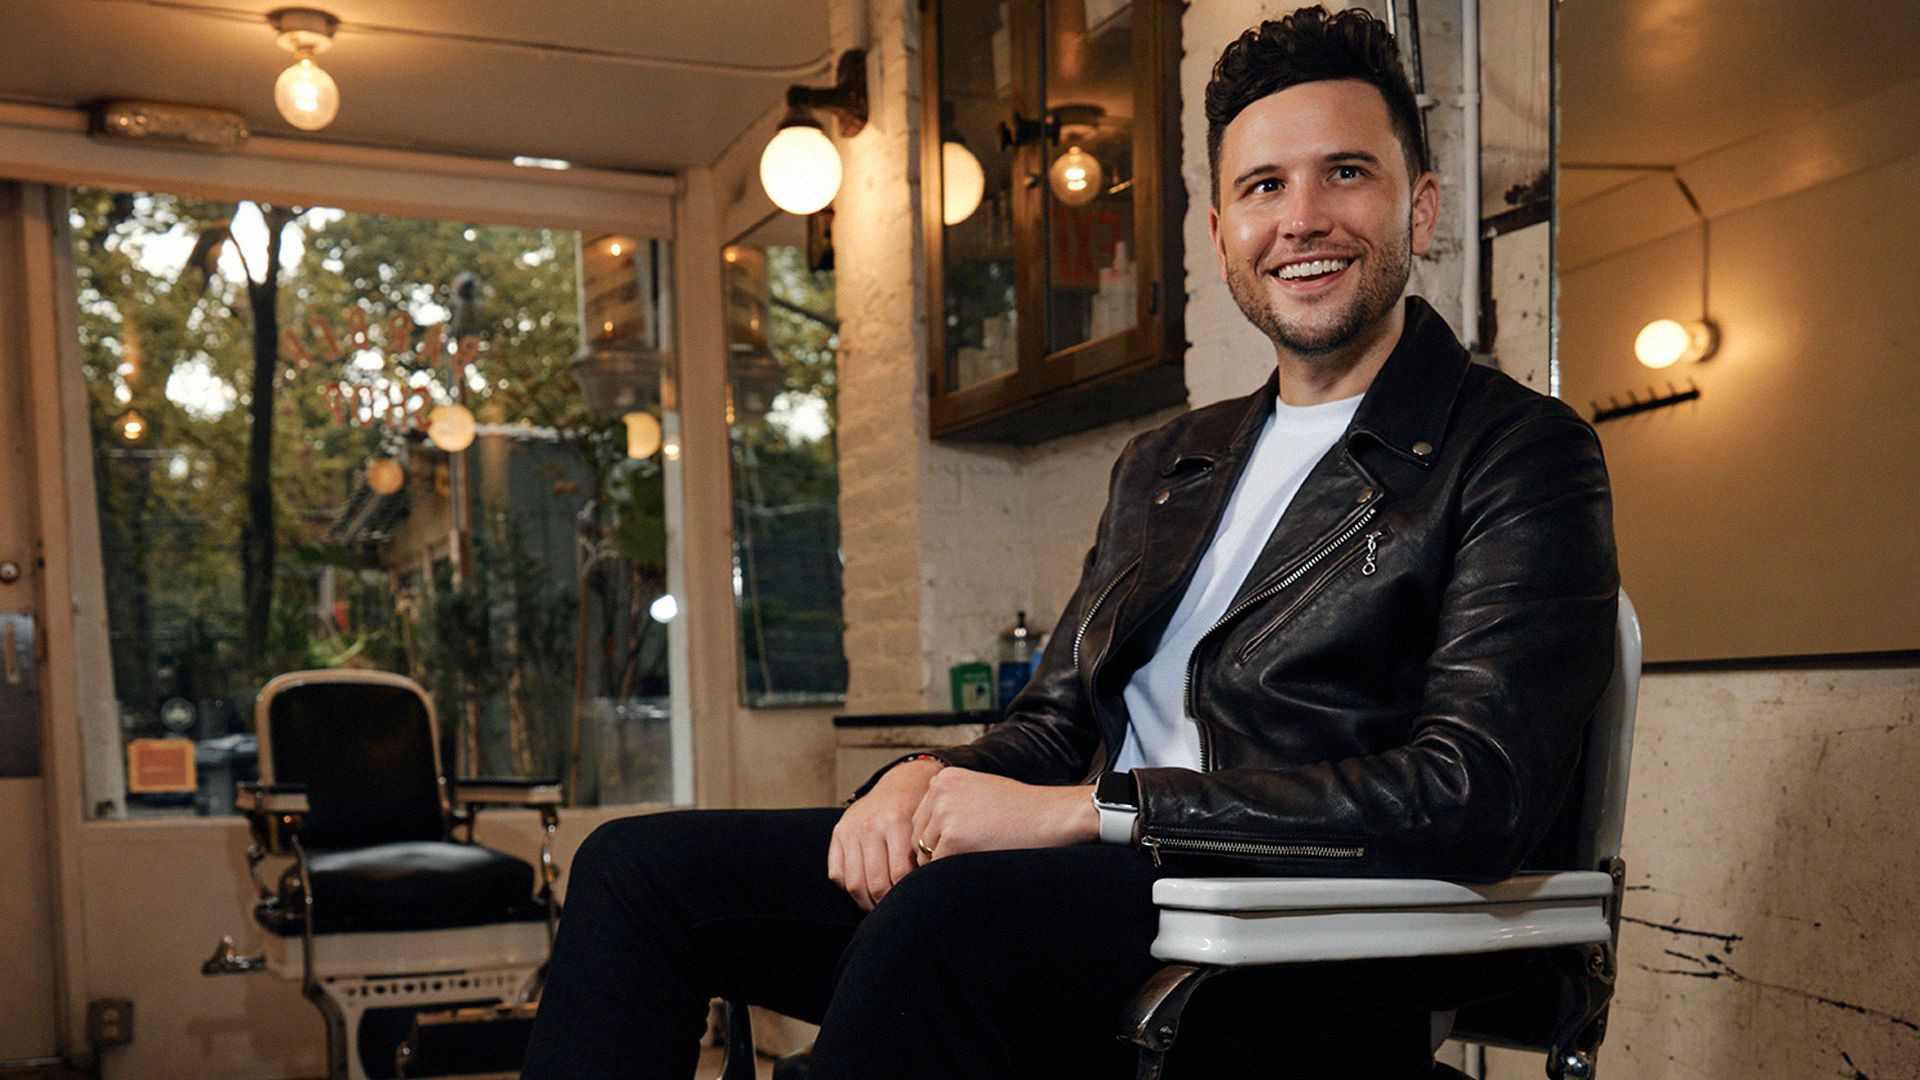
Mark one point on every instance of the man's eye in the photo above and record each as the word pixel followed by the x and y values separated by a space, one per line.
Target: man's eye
pixel 1270 184
pixel 1348 172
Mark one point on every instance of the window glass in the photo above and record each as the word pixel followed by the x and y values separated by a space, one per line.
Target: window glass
pixel 783 338
pixel 329 439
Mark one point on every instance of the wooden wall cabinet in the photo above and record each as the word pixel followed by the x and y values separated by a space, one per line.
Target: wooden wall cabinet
pixel 1054 301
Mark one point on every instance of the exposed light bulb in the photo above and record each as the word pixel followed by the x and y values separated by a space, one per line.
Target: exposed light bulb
pixel 306 95
pixel 1664 342
pixel 450 427
pixel 643 434
pixel 614 247
pixel 800 169
pixel 1076 177
pixel 961 182
pixel 385 476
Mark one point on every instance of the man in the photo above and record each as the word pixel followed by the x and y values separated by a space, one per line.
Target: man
pixel 1352 624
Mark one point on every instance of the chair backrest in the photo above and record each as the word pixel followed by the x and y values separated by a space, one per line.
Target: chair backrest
pixel 1603 810
pixel 367 747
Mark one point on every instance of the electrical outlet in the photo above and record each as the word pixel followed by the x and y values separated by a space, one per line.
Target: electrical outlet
pixel 109 1022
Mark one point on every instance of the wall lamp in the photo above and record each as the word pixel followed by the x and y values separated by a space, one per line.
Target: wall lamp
pixel 800 167
pixel 1663 343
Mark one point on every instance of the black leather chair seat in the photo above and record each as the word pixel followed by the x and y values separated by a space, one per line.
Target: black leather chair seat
pixel 417 885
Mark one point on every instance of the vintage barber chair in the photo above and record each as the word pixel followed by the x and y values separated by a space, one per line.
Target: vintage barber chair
pixel 381 912
pixel 1208 925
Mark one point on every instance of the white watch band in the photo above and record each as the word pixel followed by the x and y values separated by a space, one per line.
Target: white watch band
pixel 1116 824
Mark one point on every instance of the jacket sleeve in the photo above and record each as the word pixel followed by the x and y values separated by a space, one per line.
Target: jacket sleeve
pixel 1522 652
pixel 1049 734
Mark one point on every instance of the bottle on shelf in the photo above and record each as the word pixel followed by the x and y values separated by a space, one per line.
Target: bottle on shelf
pixel 1016 659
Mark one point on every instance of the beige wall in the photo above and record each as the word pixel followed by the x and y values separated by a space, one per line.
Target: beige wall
pixel 1805 420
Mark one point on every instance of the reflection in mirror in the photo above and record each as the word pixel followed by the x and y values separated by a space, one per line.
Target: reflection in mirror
pixel 1750 168
pixel 783 341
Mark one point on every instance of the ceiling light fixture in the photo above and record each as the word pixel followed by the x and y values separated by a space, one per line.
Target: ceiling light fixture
pixel 800 167
pixel 306 95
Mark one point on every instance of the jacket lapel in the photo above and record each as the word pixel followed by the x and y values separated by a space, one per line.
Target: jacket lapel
pixel 1184 505
pixel 1405 410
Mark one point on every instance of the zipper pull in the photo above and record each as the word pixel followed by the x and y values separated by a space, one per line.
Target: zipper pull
pixel 1152 845
pixel 1367 568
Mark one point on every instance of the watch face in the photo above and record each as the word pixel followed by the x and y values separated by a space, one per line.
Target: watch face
pixel 1116 789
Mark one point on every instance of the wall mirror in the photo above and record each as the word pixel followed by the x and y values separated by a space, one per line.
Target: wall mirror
pixel 1723 165
pixel 783 342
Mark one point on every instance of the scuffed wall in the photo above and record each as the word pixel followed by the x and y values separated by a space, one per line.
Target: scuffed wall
pixel 1771 923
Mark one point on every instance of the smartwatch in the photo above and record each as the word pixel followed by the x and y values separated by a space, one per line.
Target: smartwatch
pixel 1118 802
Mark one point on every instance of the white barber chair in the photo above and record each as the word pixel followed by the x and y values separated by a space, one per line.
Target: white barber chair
pixel 396 930
pixel 1209 925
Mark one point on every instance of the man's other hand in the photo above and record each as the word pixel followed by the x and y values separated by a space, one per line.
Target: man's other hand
pixel 872 846
pixel 974 811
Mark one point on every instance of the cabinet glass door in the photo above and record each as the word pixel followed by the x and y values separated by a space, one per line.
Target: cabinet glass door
pixel 1092 288
pixel 974 174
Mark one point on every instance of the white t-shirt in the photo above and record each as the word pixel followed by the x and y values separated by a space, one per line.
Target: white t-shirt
pixel 1159 732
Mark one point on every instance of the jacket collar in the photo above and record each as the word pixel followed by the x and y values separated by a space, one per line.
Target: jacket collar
pixel 1405 409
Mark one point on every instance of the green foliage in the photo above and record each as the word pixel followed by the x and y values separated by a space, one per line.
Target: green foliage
pixel 162 301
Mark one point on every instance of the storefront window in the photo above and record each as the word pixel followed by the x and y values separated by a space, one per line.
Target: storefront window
pixel 330 439
pixel 783 339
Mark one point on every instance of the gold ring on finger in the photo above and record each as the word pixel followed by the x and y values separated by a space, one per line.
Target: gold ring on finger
pixel 921 843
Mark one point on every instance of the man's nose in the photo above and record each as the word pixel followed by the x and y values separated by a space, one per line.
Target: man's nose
pixel 1303 214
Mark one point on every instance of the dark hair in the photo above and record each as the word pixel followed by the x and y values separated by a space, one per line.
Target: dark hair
pixel 1312 45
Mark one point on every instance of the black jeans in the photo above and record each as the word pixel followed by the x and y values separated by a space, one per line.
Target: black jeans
pixel 1000 964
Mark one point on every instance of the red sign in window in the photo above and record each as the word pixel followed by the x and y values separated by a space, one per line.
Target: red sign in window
pixel 160 765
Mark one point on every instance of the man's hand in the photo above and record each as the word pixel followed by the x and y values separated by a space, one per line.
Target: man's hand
pixel 872 846
pixel 966 811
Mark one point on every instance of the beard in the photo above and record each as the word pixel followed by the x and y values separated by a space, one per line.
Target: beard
pixel 1383 277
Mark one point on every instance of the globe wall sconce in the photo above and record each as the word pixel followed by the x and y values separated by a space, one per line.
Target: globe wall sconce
pixel 1663 343
pixel 1076 177
pixel 305 94
pixel 800 167
pixel 962 182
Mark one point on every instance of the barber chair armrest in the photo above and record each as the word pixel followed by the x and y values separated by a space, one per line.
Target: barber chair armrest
pixel 1232 922
pixel 506 791
pixel 252 797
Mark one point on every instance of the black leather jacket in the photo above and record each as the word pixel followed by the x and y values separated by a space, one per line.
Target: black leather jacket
pixel 1402 684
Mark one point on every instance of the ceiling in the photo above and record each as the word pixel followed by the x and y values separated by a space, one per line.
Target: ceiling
pixel 656 85
pixel 1662 81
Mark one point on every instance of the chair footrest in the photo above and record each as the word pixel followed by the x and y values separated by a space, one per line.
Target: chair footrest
pixel 1240 921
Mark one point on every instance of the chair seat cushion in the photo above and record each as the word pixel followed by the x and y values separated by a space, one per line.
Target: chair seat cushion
pixel 416 885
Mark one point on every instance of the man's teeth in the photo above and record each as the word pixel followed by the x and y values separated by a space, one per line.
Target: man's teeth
pixel 1312 269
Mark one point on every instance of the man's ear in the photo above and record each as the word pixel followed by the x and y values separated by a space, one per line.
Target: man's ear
pixel 1426 212
pixel 1213 234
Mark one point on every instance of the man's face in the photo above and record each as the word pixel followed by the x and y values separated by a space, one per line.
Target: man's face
pixel 1318 222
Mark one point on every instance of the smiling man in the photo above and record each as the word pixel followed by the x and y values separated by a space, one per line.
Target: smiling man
pixel 1351 624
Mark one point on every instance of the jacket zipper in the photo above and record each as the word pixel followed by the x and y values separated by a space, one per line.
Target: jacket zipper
pixel 1367 569
pixel 1153 844
pixel 1292 576
pixel 1105 592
